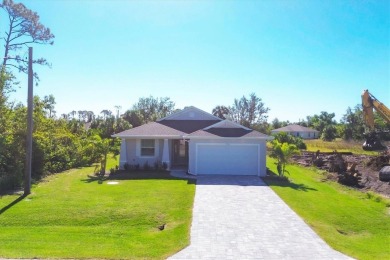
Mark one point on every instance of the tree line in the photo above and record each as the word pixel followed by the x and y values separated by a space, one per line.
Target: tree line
pixel 82 138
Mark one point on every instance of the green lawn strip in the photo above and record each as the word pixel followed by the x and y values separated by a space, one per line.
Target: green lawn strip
pixel 350 221
pixel 69 215
pixel 338 145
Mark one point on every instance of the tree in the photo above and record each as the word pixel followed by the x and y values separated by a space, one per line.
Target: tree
pixel 353 124
pixel 329 133
pixel 248 112
pixel 118 109
pixel 49 102
pixel 103 148
pixel 282 152
pixel 106 113
pixel 221 112
pixel 275 124
pixel 149 109
pixel 319 122
pixel 24 29
pixel 133 117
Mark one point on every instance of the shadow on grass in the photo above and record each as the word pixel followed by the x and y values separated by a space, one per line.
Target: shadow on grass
pixel 135 175
pixel 13 203
pixel 272 179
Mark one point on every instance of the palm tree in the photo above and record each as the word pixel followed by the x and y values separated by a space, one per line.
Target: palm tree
pixel 282 152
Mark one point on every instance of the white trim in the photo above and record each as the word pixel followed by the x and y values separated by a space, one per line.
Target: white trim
pixel 123 154
pixel 149 136
pixel 138 148
pixel 226 120
pixel 228 138
pixel 165 154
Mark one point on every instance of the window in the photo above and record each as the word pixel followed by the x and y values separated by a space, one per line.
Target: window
pixel 147 147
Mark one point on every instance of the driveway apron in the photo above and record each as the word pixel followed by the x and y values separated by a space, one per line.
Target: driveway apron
pixel 240 217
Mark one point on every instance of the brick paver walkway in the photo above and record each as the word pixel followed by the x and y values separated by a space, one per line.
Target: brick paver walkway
pixel 236 217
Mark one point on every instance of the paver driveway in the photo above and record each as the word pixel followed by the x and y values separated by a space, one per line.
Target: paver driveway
pixel 240 217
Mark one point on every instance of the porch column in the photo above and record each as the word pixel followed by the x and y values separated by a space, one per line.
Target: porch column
pixel 123 154
pixel 165 154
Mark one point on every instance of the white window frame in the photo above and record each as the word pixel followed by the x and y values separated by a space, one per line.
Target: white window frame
pixel 139 148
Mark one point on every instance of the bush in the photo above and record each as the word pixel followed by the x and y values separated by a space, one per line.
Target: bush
pixel 329 133
pixel 146 166
pixel 283 137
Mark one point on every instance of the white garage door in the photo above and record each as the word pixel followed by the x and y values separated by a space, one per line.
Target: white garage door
pixel 225 158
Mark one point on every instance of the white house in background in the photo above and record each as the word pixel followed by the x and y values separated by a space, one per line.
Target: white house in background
pixel 298 130
pixel 198 141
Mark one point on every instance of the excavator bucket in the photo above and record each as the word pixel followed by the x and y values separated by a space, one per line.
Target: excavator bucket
pixel 373 142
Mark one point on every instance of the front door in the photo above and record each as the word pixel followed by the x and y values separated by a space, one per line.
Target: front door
pixel 180 152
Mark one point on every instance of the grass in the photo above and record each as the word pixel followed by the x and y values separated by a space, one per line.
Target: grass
pixel 350 221
pixel 338 144
pixel 70 215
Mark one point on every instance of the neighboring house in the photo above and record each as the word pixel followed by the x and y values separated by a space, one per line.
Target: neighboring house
pixel 298 130
pixel 198 141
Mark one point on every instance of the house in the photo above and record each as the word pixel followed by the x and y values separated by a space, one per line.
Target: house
pixel 298 130
pixel 199 142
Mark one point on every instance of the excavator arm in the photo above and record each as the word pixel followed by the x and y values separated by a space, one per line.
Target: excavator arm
pixel 369 103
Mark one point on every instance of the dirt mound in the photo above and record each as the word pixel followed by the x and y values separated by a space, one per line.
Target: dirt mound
pixel 360 171
pixel 377 162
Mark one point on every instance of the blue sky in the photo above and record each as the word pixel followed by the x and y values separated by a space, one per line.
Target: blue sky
pixel 300 57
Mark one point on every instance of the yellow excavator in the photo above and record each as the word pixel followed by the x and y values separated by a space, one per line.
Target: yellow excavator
pixel 369 103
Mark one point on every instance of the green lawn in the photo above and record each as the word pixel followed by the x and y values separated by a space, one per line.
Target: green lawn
pixel 350 221
pixel 69 215
pixel 338 144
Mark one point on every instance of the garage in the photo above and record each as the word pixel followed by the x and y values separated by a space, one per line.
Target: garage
pixel 227 158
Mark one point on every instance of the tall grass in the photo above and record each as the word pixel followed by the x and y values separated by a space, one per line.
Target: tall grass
pixel 339 144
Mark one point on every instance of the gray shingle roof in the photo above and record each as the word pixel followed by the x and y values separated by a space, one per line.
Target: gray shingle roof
pixel 294 128
pixel 151 129
pixel 229 132
pixel 188 126
pixel 205 127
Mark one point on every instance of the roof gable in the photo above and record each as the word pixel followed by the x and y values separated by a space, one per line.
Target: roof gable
pixel 191 113
pixel 188 126
pixel 294 128
pixel 227 124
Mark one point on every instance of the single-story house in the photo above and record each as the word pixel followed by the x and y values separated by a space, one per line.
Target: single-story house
pixel 198 141
pixel 298 130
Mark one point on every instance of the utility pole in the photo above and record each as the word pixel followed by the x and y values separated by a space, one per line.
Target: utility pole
pixel 27 175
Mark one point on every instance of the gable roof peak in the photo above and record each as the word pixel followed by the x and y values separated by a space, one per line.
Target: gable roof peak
pixel 227 124
pixel 190 113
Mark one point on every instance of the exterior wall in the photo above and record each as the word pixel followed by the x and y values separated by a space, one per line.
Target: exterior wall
pixel 132 154
pixel 192 151
pixel 304 135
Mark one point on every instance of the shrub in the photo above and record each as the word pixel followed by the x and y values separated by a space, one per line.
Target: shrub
pixel 126 166
pixel 329 133
pixel 283 137
pixel 146 166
